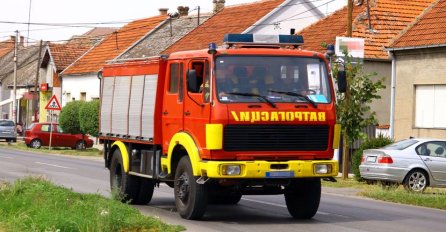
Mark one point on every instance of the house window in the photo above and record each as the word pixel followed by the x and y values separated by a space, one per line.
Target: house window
pixel 430 106
pixel 83 96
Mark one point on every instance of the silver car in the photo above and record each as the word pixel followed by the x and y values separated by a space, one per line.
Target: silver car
pixel 415 163
pixel 8 130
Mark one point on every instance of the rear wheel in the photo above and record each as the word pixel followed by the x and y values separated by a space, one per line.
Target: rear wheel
pixel 133 189
pixel 302 198
pixel 36 143
pixel 416 180
pixel 190 197
pixel 80 145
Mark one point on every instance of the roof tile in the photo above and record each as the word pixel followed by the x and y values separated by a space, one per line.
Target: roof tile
pixel 113 45
pixel 232 19
pixel 388 19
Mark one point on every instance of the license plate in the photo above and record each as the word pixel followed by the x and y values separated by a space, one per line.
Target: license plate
pixel 371 159
pixel 280 174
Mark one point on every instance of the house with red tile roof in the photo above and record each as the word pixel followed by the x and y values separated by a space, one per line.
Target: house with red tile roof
pixel 261 17
pixel 419 57
pixel 80 80
pixel 7 46
pixel 386 20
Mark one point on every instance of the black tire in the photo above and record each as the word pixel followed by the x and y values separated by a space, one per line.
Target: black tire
pixel 190 197
pixel 35 143
pixel 302 198
pixel 132 189
pixel 416 181
pixel 80 145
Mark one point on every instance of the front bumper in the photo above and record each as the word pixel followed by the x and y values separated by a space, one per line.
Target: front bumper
pixel 266 169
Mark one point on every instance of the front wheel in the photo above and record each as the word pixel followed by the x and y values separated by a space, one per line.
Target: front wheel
pixel 302 198
pixel 190 197
pixel 416 180
pixel 134 189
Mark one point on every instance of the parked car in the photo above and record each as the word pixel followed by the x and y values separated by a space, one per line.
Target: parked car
pixel 8 130
pixel 415 163
pixel 38 134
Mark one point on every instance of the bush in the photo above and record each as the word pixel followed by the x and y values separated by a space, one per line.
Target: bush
pixel 378 142
pixel 89 117
pixel 69 117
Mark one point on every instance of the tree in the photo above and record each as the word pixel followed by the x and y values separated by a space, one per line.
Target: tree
pixel 89 117
pixel 353 110
pixel 69 117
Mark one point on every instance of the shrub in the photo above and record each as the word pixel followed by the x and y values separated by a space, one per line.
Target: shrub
pixel 378 142
pixel 69 117
pixel 89 117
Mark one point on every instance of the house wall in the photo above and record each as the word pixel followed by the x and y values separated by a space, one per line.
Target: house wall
pixel 297 14
pixel 381 106
pixel 73 86
pixel 416 67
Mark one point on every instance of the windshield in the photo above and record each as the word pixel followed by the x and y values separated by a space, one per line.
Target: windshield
pixel 401 145
pixel 277 78
pixel 6 123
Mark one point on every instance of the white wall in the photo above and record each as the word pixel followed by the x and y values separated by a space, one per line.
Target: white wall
pixel 296 14
pixel 72 86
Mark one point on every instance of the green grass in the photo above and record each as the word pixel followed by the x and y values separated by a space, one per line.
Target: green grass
pixel 20 145
pixel 432 197
pixel 35 204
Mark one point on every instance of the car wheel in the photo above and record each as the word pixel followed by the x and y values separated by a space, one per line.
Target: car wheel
pixel 416 181
pixel 36 143
pixel 80 145
pixel 190 197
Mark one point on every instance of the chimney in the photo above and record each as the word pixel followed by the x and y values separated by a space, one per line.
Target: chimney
pixel 183 10
pixel 22 41
pixel 163 11
pixel 12 38
pixel 218 5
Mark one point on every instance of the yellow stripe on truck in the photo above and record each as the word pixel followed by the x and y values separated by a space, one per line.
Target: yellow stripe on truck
pixel 188 143
pixel 336 136
pixel 124 154
pixel 214 136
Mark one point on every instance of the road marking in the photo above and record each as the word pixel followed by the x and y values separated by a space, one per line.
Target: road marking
pixel 54 165
pixel 284 206
pixel 6 157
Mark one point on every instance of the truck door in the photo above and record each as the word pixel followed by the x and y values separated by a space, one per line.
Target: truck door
pixel 172 119
pixel 196 101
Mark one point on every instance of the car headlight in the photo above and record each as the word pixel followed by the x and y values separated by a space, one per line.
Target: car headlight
pixel 322 168
pixel 231 169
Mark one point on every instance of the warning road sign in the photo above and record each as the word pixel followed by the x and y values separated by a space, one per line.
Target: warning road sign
pixel 53 104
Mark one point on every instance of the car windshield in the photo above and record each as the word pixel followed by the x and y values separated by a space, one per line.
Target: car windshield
pixel 6 123
pixel 401 145
pixel 272 79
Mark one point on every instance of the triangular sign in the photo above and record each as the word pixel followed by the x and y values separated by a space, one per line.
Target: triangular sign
pixel 53 104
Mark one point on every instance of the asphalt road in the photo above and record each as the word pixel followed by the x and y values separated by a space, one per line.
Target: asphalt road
pixel 338 211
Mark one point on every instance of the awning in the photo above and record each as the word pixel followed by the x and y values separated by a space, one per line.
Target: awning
pixel 9 101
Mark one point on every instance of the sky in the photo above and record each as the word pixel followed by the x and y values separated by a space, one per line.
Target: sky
pixel 14 15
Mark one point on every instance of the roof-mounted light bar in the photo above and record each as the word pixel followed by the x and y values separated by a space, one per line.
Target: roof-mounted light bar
pixel 257 39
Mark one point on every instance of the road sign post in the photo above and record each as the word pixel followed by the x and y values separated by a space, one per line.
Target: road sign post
pixel 53 104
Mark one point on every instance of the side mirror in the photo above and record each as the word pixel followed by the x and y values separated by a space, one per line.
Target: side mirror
pixel 342 81
pixel 192 82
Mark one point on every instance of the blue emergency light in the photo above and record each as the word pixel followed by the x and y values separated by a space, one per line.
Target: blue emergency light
pixel 295 40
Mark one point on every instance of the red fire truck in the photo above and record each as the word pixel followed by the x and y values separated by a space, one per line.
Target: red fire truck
pixel 256 116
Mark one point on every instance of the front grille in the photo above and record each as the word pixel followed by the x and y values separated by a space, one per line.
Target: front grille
pixel 275 137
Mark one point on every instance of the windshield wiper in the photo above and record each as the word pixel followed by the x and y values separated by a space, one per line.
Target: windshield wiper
pixel 314 104
pixel 255 95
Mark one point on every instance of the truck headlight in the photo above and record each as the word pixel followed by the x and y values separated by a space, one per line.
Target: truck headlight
pixel 322 168
pixel 231 170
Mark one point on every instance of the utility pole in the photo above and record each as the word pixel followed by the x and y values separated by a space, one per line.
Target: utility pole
pixel 35 96
pixel 14 88
pixel 345 147
pixel 349 18
pixel 198 18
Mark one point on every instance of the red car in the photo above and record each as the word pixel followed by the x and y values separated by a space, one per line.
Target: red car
pixel 38 134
